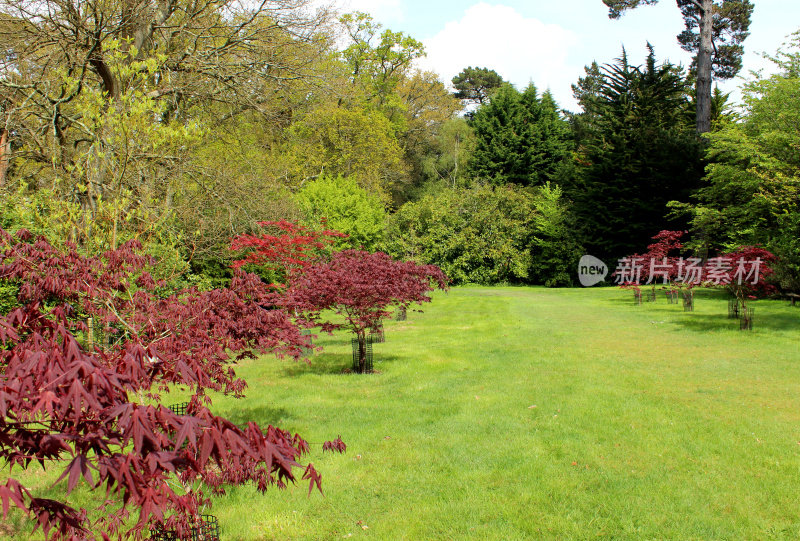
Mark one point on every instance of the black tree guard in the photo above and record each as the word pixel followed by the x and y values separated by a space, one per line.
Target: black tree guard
pixel 688 300
pixel 206 530
pixel 362 354
pixel 746 319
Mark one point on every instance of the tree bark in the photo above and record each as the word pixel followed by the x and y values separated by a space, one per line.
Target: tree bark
pixel 5 152
pixel 703 89
pixel 362 353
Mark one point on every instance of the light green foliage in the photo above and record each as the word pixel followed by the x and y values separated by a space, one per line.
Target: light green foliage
pixel 555 246
pixel 451 150
pixel 358 143
pixel 479 235
pixel 489 235
pixel 42 213
pixel 378 59
pixel 8 296
pixel 752 184
pixel 339 203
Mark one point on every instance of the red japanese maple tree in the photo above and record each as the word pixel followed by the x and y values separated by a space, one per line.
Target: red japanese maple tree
pixel 744 272
pixel 361 286
pixel 287 253
pixel 91 411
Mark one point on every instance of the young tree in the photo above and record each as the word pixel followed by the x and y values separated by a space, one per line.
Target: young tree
pixel 714 31
pixel 87 409
pixel 361 286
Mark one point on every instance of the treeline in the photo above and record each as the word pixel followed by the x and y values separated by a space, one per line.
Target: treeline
pixel 184 124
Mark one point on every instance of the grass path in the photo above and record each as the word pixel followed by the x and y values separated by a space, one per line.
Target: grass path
pixel 521 413
pixel 527 413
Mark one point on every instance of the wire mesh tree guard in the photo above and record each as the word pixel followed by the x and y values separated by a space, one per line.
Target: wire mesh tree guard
pixel 180 408
pixel 400 314
pixel 672 296
pixel 733 308
pixel 746 319
pixel 206 530
pixel 688 300
pixel 362 354
pixel 307 351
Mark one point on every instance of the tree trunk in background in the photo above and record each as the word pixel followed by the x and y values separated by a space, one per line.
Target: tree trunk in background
pixel 704 68
pixel 5 153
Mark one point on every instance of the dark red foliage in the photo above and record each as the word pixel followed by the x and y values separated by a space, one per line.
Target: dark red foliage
pixel 335 445
pixel 61 404
pixel 744 271
pixel 361 286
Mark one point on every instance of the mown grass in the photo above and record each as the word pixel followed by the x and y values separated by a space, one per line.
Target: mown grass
pixel 527 413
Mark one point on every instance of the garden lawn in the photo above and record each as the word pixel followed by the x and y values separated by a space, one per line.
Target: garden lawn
pixel 528 413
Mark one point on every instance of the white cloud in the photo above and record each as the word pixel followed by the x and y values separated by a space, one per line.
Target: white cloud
pixel 519 48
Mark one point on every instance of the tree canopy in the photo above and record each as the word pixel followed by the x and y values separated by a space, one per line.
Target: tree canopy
pixel 715 31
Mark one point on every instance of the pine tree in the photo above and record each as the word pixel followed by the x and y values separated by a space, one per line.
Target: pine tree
pixel 715 31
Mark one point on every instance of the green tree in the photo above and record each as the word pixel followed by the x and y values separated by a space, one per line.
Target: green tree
pixel 635 151
pixel 380 76
pixel 110 105
pixel 714 31
pixel 750 193
pixel 356 143
pixel 377 59
pixel 450 153
pixel 476 85
pixel 339 203
pixel 520 138
pixel 475 235
pixel 555 244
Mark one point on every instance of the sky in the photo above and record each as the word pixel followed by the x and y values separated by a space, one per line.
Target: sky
pixel 549 42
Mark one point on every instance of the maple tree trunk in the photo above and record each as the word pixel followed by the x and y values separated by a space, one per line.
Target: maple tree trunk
pixel 5 152
pixel 703 89
pixel 362 353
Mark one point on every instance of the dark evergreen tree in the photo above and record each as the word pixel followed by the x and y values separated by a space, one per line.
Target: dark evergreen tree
pixel 636 151
pixel 520 138
pixel 476 84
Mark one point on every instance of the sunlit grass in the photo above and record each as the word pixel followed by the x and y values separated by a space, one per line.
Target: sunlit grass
pixel 525 413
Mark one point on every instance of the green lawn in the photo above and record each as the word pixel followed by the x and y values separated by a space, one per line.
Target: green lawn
pixel 527 413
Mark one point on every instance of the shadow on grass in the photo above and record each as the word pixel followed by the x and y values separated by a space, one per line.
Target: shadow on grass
pixel 767 321
pixel 334 364
pixel 263 415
